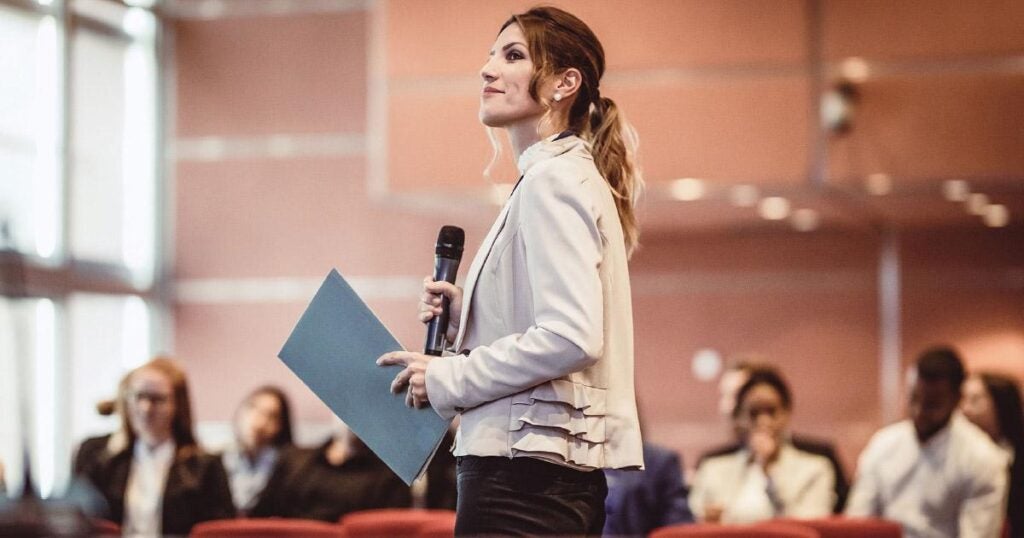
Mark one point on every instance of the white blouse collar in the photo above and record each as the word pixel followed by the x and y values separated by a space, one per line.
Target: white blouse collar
pixel 551 146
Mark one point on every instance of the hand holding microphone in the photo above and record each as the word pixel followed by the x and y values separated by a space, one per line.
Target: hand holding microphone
pixel 440 302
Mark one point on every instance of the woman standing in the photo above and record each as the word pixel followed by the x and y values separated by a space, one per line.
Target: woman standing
pixel 993 403
pixel 544 375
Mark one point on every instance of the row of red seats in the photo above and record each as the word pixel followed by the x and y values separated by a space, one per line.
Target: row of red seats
pixel 410 523
pixel 836 527
pixel 401 523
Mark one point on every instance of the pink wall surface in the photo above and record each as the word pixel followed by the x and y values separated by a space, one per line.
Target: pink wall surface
pixel 350 137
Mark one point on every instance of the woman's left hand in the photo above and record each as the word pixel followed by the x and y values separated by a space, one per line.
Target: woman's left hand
pixel 414 375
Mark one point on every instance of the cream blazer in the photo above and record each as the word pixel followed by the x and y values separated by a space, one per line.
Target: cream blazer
pixel 803 485
pixel 548 324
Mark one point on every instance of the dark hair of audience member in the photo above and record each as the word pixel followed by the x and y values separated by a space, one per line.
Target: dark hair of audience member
pixel 181 424
pixel 941 363
pixel 1006 400
pixel 764 376
pixel 284 433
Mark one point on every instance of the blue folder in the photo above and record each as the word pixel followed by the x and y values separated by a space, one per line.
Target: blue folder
pixel 333 350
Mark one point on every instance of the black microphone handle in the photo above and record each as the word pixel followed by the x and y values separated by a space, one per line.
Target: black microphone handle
pixel 444 269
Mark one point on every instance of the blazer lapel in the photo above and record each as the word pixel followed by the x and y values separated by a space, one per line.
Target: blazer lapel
pixel 474 271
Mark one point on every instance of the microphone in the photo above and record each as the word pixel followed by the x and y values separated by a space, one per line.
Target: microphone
pixel 447 255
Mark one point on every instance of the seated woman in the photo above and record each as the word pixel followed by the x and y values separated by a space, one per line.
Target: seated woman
pixel 263 434
pixel 766 477
pixel 993 403
pixel 152 473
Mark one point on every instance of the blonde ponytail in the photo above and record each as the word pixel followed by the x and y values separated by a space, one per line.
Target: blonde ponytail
pixel 614 143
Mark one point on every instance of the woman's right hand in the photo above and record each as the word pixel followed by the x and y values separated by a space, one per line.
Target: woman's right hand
pixel 430 304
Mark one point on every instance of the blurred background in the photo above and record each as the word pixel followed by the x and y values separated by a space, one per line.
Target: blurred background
pixel 832 186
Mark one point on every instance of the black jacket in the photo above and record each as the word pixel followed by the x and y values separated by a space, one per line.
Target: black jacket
pixel 196 490
pixel 310 487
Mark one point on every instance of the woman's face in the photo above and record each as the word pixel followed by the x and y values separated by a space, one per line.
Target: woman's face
pixel 762 411
pixel 150 405
pixel 259 420
pixel 505 99
pixel 978 407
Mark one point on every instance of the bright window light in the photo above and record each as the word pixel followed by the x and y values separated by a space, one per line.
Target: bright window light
pixel 45 396
pixel 138 162
pixel 46 182
pixel 135 343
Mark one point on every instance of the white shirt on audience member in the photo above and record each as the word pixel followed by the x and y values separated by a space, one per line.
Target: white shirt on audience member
pixel 248 477
pixel 953 485
pixel 144 495
pixel 799 485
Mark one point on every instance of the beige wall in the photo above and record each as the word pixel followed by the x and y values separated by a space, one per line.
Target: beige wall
pixel 346 138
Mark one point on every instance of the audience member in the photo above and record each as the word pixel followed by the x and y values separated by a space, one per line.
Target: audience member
pixel 935 473
pixel 766 477
pixel 729 384
pixel 263 435
pixel 640 501
pixel 152 472
pixel 329 481
pixel 993 403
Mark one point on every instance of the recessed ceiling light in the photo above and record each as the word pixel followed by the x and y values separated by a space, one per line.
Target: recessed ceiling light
pixel 977 204
pixel 744 195
pixel 956 190
pixel 855 69
pixel 687 189
pixel 805 220
pixel 774 208
pixel 996 216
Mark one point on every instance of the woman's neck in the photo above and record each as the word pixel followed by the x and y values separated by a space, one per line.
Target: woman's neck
pixel 525 134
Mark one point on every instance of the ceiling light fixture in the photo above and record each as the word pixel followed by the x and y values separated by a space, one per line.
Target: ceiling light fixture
pixel 774 208
pixel 687 189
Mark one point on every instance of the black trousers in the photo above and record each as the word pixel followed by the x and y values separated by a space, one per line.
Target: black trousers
pixel 527 496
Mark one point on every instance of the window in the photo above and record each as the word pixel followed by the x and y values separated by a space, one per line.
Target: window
pixel 78 206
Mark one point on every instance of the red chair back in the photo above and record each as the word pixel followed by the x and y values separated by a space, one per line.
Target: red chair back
pixel 105 527
pixel 843 527
pixel 770 529
pixel 267 528
pixel 394 522
pixel 441 527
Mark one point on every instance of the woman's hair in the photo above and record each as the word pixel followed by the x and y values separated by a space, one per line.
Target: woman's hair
pixel 558 40
pixel 1006 401
pixel 764 376
pixel 181 423
pixel 284 433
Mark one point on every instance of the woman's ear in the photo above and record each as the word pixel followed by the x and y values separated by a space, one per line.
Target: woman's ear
pixel 568 83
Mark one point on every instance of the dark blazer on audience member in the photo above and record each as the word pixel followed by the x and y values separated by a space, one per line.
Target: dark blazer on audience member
pixel 197 486
pixel 641 501
pixel 814 446
pixel 313 488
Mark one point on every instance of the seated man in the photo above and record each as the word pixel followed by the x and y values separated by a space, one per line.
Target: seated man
pixel 935 473
pixel 640 501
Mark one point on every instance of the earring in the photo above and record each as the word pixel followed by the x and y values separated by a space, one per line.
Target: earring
pixel 557 96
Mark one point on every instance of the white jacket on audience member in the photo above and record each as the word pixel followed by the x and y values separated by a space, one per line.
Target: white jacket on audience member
pixel 955 484
pixel 798 485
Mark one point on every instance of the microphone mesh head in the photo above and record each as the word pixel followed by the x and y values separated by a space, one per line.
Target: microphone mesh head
pixel 450 242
